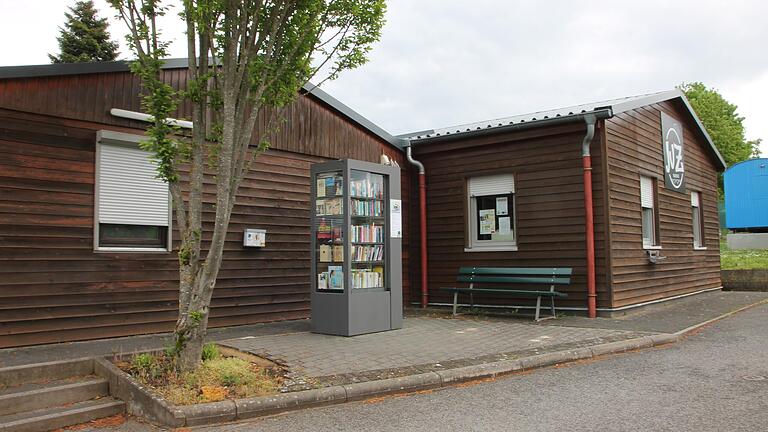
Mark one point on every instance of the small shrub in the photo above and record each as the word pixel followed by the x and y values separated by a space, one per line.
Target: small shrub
pixel 147 366
pixel 143 362
pixel 210 352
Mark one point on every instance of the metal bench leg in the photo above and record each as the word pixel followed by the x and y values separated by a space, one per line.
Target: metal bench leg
pixel 552 301
pixel 455 301
pixel 538 307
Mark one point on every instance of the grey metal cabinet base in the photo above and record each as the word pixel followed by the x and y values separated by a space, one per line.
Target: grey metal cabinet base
pixel 356 248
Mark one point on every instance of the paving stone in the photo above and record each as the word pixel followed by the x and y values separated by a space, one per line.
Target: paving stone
pixel 420 346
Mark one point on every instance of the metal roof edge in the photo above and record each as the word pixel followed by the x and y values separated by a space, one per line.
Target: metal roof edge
pixel 354 115
pixel 600 113
pixel 703 130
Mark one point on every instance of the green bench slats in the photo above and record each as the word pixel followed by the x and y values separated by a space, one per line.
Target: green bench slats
pixel 562 271
pixel 524 293
pixel 520 280
pixel 493 276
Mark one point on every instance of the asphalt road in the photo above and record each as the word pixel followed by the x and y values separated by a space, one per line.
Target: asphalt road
pixel 716 380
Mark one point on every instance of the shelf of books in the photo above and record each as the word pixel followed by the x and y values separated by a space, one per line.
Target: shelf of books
pixel 352 256
pixel 329 224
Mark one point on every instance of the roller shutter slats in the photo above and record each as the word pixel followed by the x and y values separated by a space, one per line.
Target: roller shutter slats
pixel 129 191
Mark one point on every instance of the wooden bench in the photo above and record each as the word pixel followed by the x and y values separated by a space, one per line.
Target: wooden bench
pixel 494 280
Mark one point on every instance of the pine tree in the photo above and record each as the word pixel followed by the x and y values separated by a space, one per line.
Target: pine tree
pixel 84 37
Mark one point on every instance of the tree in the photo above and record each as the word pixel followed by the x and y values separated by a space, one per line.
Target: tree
pixel 84 37
pixel 246 59
pixel 722 122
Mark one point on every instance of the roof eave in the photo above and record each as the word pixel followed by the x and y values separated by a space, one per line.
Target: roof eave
pixel 63 69
pixel 671 95
pixel 599 113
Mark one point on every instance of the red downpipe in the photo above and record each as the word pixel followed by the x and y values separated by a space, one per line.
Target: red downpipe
pixel 422 225
pixel 423 243
pixel 589 218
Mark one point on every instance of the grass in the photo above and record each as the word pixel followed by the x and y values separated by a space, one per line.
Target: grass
pixel 742 259
pixel 218 378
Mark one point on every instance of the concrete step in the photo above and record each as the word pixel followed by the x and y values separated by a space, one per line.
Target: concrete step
pixel 53 418
pixel 30 397
pixel 42 372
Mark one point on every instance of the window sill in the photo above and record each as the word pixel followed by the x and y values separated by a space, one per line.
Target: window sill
pixel 128 249
pixel 700 248
pixel 649 247
pixel 491 249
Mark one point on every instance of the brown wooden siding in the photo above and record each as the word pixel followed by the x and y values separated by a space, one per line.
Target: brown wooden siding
pixel 54 287
pixel 547 165
pixel 635 148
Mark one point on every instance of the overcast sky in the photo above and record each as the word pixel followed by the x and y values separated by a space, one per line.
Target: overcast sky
pixel 447 62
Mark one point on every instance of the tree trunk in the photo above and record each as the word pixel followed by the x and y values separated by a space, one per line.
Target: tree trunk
pixel 192 324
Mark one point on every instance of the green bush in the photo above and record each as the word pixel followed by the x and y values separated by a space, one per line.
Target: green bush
pixel 210 352
pixel 143 362
pixel 147 365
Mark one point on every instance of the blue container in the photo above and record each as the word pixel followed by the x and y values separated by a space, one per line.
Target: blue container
pixel 746 194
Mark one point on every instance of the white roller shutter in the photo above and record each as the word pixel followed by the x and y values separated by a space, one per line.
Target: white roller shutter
pixel 500 184
pixel 646 192
pixel 695 199
pixel 129 191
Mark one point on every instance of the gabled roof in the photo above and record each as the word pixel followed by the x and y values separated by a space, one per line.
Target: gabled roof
pixel 572 113
pixel 10 72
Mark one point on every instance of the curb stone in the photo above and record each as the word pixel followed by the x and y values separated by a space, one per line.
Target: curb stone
pixel 265 405
pixel 487 370
pixel 421 381
pixel 209 413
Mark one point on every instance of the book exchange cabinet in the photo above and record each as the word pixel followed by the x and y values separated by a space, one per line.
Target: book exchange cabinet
pixel 356 231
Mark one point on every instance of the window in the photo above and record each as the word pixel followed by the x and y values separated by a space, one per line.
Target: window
pixel 492 213
pixel 132 204
pixel 649 215
pixel 697 218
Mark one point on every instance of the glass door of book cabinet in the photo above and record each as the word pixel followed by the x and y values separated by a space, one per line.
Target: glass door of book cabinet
pixel 367 231
pixel 329 223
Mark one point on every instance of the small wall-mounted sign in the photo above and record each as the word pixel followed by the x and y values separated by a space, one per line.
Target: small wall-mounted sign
pixel 255 237
pixel 396 218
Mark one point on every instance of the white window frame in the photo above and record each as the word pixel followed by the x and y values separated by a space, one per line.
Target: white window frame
pixel 474 245
pixel 652 204
pixel 697 209
pixel 105 137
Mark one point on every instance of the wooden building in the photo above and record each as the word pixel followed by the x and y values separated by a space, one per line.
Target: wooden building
pixel 66 273
pixel 653 241
pixel 58 283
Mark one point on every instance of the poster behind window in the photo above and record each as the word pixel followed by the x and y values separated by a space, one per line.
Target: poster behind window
pixel 505 231
pixel 487 222
pixel 502 207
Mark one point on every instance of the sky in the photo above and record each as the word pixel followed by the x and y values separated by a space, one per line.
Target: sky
pixel 448 62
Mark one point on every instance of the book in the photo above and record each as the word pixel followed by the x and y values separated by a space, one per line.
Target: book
pixel 330 186
pixel 339 185
pixel 338 253
pixel 322 281
pixel 336 277
pixel 320 186
pixel 325 253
